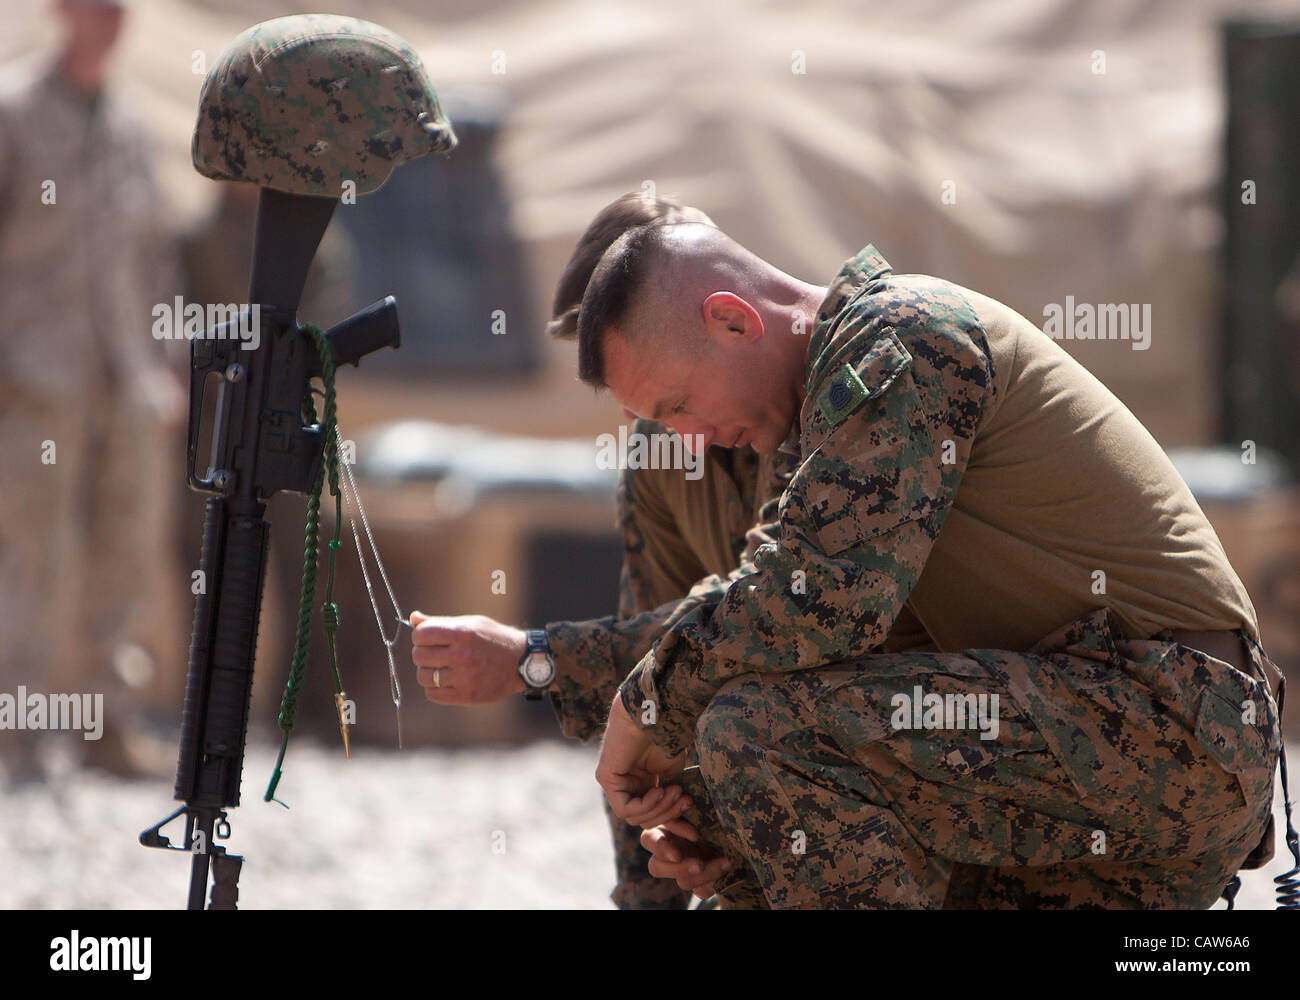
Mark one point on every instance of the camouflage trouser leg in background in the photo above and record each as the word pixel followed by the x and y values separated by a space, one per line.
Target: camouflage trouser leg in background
pixel 1121 774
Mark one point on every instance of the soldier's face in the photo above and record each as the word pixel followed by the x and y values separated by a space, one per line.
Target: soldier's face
pixel 731 395
pixel 92 27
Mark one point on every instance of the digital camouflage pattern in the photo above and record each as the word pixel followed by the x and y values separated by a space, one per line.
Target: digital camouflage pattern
pixel 302 104
pixel 675 531
pixel 821 802
pixel 1122 772
pixel 858 517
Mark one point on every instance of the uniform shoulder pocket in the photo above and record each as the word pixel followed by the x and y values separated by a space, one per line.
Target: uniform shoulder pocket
pixel 875 466
pixel 851 383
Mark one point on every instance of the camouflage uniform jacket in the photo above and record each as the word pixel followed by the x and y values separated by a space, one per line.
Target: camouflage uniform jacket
pixel 670 567
pixel 893 367
pixel 666 550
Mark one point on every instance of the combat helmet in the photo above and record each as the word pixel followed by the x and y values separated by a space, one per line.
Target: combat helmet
pixel 302 104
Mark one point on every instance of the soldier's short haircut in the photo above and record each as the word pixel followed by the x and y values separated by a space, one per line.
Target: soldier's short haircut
pixel 636 208
pixel 618 277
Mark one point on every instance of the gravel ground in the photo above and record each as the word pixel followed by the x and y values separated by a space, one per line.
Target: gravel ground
pixel 495 829
pixel 481 829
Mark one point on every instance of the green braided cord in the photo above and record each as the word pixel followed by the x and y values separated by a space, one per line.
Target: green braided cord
pixel 330 611
pixel 302 645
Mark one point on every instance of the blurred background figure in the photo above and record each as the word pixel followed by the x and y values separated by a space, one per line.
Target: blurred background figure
pixel 90 590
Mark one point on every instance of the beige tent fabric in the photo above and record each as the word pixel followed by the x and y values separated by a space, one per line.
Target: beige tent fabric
pixel 808 129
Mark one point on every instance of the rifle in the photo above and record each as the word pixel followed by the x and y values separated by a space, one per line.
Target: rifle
pixel 259 447
pixel 310 107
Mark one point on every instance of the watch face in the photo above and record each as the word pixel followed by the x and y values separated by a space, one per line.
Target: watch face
pixel 539 670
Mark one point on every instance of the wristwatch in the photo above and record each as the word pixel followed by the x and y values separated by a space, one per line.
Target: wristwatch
pixel 537 667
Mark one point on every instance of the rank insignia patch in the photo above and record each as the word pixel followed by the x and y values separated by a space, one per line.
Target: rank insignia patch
pixel 841 394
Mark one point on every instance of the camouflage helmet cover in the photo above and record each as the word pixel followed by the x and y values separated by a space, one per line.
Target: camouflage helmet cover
pixel 303 103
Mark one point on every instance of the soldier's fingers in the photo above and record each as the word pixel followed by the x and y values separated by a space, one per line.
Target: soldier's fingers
pixel 440 685
pixel 618 800
pixel 629 791
pixel 448 695
pixel 674 803
pixel 648 802
pixel 681 828
pixel 700 877
pixel 692 874
pixel 659 819
pixel 690 864
pixel 436 677
pixel 434 632
pixel 661 867
pixel 431 656
pixel 659 843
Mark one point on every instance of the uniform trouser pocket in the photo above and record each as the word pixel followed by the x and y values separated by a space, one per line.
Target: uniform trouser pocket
pixel 1170 750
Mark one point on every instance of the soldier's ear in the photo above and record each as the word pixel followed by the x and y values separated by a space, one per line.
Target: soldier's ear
pixel 729 318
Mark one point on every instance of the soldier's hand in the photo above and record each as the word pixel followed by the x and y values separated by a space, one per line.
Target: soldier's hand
pixel 630 769
pixel 679 854
pixel 466 659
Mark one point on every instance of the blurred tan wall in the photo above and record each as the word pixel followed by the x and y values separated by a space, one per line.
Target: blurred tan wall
pixel 1034 150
